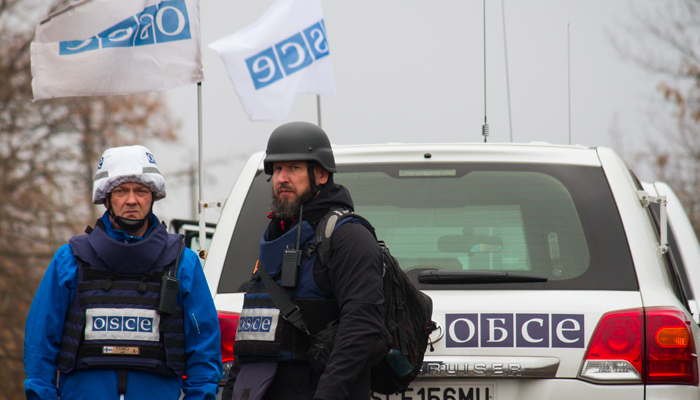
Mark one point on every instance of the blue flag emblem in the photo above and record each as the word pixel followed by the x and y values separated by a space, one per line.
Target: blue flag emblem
pixel 164 22
pixel 288 56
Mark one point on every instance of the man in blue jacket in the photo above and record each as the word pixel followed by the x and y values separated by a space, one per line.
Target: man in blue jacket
pixel 123 312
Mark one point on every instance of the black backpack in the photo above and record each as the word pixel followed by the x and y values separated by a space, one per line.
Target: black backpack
pixel 407 312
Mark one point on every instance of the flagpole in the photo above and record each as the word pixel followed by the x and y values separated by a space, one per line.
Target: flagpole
pixel 200 207
pixel 318 110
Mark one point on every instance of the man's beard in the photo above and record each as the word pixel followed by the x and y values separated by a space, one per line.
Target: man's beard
pixel 289 209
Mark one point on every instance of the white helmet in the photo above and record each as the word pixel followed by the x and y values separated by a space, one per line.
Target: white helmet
pixel 127 164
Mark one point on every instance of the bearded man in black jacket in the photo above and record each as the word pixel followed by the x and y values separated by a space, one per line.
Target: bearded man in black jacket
pixel 271 351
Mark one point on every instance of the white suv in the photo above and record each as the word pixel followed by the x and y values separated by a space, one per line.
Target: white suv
pixel 544 264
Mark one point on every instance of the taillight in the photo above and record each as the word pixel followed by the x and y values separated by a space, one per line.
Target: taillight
pixel 654 346
pixel 615 353
pixel 228 324
pixel 670 348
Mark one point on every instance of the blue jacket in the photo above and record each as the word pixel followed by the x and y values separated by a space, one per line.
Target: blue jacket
pixel 45 325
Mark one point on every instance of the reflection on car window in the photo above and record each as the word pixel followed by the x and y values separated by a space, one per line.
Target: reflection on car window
pixel 483 220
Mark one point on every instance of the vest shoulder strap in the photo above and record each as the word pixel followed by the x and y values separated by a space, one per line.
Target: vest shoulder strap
pixel 289 310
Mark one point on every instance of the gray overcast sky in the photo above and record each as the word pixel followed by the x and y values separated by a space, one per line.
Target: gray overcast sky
pixel 413 71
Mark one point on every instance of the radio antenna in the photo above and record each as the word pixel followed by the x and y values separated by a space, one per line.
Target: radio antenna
pixel 505 49
pixel 485 127
pixel 568 64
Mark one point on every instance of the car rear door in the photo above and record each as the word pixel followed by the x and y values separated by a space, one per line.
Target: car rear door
pixel 521 260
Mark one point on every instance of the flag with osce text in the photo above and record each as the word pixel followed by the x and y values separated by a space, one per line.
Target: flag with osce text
pixel 282 54
pixel 102 47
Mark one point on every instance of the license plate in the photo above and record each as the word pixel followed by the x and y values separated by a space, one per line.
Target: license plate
pixel 426 391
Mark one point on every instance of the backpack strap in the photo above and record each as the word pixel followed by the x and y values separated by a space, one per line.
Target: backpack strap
pixel 325 228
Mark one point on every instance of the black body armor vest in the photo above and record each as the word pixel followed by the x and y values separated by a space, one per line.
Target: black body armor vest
pixel 113 322
pixel 263 334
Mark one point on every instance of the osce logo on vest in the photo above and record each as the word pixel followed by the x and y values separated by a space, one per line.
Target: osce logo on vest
pixel 122 324
pixel 515 330
pixel 164 22
pixel 125 324
pixel 255 324
pixel 288 56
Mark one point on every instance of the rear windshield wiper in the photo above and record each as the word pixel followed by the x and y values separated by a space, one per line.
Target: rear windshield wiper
pixel 442 277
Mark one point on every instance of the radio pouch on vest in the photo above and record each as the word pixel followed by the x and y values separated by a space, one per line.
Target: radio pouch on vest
pixel 291 259
pixel 170 286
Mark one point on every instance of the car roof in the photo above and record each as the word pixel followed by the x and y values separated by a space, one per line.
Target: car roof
pixel 536 152
pixel 473 152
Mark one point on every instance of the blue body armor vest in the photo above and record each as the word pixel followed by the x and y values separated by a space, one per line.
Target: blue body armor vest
pixel 263 334
pixel 113 322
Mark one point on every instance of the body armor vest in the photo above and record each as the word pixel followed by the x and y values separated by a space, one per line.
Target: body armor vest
pixel 112 322
pixel 263 334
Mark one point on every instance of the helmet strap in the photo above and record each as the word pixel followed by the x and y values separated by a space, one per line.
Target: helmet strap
pixel 311 167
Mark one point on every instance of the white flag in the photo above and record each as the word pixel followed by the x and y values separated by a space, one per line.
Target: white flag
pixel 284 53
pixel 100 47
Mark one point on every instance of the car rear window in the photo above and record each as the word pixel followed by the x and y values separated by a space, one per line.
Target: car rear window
pixel 555 221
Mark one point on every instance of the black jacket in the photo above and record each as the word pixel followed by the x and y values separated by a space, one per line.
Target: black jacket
pixel 354 281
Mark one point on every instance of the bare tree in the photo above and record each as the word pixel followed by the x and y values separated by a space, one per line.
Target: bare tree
pixel 663 39
pixel 49 151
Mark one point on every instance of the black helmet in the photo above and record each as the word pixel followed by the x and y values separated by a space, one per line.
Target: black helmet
pixel 298 141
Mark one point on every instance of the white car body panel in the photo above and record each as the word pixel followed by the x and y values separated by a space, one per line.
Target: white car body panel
pixel 227 221
pixel 591 304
